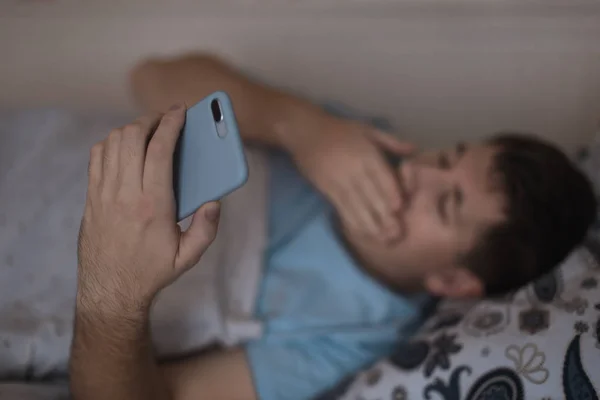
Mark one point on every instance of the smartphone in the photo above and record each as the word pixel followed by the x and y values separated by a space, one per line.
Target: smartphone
pixel 209 160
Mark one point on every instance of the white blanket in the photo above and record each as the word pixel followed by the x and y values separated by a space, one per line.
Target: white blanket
pixel 43 160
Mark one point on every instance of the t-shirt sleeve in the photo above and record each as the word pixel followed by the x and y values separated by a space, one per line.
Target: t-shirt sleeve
pixel 300 369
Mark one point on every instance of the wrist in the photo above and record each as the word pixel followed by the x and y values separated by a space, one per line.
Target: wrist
pixel 111 331
pixel 111 306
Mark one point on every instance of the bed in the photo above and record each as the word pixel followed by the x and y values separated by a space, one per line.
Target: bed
pixel 438 70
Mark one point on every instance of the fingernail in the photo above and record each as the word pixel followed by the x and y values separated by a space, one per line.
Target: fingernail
pixel 175 107
pixel 212 212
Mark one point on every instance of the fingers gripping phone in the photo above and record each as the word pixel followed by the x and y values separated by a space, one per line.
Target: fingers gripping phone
pixel 209 160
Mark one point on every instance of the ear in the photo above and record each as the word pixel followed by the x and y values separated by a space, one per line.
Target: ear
pixel 455 283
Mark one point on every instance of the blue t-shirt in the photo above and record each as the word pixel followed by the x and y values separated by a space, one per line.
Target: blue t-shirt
pixel 324 318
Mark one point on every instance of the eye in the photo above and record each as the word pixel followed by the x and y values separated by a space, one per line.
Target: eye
pixel 443 161
pixel 442 208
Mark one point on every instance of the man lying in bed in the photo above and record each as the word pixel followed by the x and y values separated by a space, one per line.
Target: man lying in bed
pixel 477 219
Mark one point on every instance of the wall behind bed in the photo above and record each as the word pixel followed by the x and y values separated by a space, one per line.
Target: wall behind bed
pixel 441 70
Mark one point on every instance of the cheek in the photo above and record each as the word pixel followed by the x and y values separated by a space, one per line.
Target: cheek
pixel 427 243
pixel 424 227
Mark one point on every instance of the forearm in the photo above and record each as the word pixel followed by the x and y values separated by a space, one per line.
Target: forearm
pixel 112 357
pixel 264 114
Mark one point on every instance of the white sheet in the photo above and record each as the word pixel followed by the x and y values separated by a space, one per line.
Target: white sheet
pixel 43 160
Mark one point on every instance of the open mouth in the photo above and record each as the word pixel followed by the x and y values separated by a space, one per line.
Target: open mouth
pixel 392 159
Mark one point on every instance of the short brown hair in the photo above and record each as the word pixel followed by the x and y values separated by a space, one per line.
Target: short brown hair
pixel 550 207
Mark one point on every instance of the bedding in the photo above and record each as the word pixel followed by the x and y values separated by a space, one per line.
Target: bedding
pixel 43 163
pixel 34 391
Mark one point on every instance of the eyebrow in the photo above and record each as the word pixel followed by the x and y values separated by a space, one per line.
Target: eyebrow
pixel 443 203
pixel 443 207
pixel 461 149
pixel 458 195
pixel 457 192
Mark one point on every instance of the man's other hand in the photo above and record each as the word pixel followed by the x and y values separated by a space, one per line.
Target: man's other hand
pixel 344 160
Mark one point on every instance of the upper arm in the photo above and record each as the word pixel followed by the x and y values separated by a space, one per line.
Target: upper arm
pixel 223 375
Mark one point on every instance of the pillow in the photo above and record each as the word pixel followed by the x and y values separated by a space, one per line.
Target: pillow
pixel 543 342
pixel 33 391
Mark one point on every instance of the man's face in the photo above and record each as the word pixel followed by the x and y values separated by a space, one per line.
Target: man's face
pixel 450 199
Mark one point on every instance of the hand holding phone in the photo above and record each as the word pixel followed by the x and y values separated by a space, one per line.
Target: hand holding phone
pixel 129 246
pixel 209 160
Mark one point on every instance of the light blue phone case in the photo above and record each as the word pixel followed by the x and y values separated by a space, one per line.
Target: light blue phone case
pixel 207 164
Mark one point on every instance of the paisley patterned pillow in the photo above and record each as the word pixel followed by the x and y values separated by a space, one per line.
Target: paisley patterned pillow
pixel 542 342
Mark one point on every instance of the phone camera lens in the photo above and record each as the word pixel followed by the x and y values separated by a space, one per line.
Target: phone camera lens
pixel 215 107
